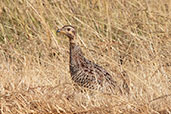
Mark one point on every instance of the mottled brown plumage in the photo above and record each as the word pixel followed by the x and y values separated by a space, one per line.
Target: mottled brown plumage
pixel 84 72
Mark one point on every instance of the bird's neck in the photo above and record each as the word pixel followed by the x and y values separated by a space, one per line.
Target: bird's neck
pixel 75 52
pixel 75 49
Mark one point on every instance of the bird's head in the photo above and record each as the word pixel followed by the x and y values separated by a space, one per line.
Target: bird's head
pixel 67 30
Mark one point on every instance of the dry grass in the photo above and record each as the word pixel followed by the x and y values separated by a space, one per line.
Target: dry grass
pixel 123 35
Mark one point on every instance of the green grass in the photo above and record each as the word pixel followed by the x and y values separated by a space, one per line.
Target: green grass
pixel 34 61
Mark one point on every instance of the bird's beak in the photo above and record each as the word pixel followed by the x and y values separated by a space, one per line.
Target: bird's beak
pixel 58 31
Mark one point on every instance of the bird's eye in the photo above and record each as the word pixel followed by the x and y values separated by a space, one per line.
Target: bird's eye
pixel 68 29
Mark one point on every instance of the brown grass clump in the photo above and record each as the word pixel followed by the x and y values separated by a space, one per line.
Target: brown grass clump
pixel 120 35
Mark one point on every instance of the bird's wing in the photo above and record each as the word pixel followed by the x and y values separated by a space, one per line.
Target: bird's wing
pixel 99 75
pixel 102 73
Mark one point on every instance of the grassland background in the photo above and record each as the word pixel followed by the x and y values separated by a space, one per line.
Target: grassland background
pixel 120 35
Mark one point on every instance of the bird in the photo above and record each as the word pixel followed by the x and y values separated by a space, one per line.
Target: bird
pixel 84 72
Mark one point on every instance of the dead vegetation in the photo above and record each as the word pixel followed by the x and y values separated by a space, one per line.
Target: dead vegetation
pixel 120 35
